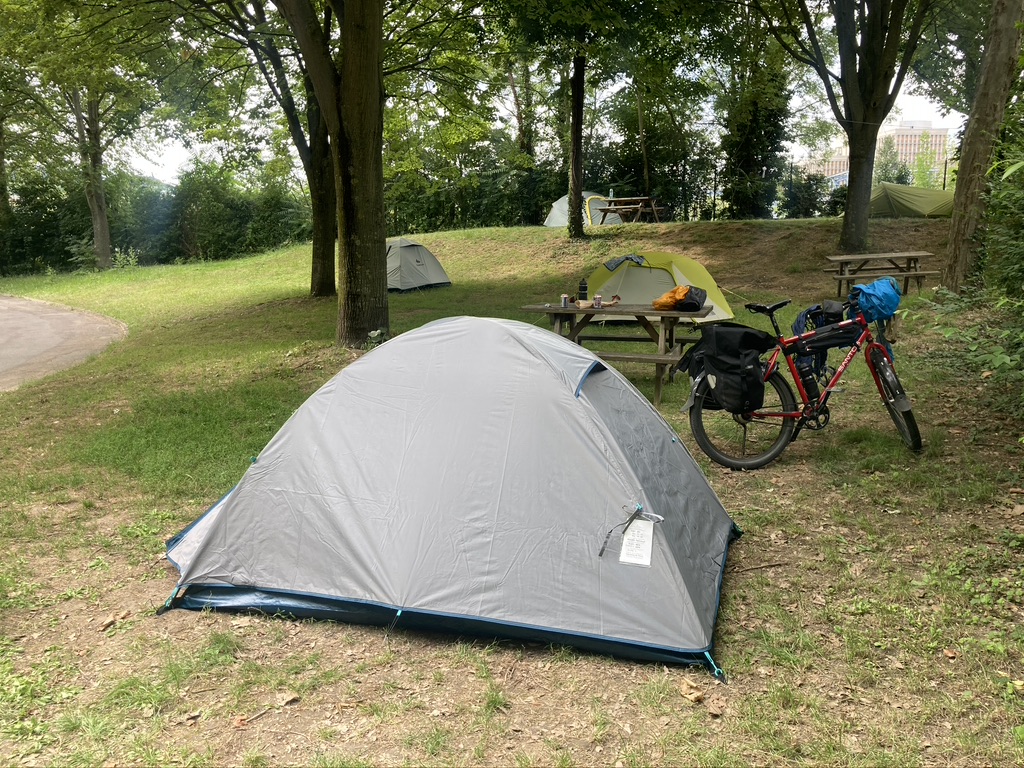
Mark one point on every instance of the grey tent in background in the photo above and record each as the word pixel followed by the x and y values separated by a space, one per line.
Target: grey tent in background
pixel 896 200
pixel 477 476
pixel 558 216
pixel 412 266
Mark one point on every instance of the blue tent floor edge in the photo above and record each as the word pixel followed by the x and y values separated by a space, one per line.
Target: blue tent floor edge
pixel 232 599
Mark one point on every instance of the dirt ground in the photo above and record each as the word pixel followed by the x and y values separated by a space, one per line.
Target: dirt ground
pixel 824 665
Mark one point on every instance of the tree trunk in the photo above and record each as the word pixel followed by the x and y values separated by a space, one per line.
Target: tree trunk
pixel 362 254
pixel 5 193
pixel 578 89
pixel 324 199
pixel 998 69
pixel 853 237
pixel 314 152
pixel 90 150
pixel 352 102
pixel 643 140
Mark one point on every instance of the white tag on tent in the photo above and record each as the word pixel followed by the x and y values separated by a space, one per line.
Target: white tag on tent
pixel 638 543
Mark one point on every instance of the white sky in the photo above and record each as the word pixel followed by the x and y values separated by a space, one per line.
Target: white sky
pixel 919 108
pixel 166 162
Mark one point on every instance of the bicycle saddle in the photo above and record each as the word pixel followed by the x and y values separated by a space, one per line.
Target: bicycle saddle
pixel 769 309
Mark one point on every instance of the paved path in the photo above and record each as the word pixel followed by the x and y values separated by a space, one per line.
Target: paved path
pixel 37 338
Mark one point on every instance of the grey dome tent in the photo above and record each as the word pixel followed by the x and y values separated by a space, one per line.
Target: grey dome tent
pixel 474 476
pixel 412 266
pixel 558 216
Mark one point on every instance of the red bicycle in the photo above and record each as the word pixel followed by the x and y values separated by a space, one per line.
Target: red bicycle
pixel 752 440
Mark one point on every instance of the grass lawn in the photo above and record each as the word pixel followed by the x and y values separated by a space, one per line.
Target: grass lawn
pixel 871 611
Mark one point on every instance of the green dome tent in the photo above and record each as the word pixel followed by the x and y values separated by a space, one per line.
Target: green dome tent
pixel 640 278
pixel 895 200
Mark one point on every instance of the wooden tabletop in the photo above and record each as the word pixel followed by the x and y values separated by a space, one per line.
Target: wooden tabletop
pixel 901 255
pixel 611 201
pixel 637 310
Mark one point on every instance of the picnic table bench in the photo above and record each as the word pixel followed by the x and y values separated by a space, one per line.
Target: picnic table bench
pixel 847 269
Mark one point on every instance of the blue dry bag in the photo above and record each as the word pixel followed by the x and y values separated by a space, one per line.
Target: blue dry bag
pixel 878 300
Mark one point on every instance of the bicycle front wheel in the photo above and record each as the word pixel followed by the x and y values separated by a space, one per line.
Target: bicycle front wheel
pixel 744 441
pixel 896 401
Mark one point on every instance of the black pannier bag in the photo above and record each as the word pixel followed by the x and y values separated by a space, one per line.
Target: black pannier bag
pixel 733 366
pixel 693 362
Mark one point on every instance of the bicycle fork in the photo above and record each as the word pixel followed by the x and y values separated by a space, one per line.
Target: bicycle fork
pixel 881 367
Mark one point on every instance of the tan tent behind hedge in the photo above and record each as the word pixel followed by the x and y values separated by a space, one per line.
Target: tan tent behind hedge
pixel 895 200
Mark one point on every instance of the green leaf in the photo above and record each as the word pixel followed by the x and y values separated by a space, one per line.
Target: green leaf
pixel 1012 170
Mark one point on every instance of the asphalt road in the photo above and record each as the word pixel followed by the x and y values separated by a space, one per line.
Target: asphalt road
pixel 37 338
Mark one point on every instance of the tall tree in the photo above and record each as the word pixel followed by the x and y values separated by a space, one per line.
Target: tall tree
pixel 999 67
pixel 755 109
pixel 876 41
pixel 888 166
pixel 347 76
pixel 92 81
pixel 665 149
pixel 926 163
pixel 579 30
pixel 947 65
pixel 258 30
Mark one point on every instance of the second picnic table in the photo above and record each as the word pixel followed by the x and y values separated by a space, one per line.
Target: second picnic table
pixel 850 268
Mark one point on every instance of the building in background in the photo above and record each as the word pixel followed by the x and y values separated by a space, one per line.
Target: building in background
pixel 915 141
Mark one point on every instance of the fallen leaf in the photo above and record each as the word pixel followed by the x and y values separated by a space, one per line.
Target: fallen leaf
pixel 284 699
pixel 716 707
pixel 690 692
pixel 240 722
pixel 951 654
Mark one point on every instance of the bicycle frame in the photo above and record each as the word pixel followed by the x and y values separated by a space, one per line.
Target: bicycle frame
pixel 786 348
pixel 746 441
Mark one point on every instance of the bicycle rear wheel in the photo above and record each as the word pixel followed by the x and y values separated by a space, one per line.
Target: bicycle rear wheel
pixel 744 441
pixel 895 399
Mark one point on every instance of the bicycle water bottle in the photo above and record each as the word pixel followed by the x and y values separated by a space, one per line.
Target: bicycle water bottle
pixel 809 380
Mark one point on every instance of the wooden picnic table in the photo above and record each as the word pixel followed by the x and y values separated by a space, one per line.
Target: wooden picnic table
pixel 660 328
pixel 631 209
pixel 850 268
